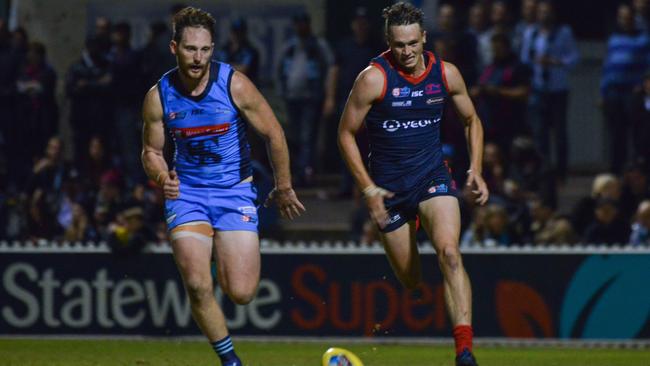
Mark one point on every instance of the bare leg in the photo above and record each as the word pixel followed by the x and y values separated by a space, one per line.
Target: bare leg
pixel 238 264
pixel 192 257
pixel 402 252
pixel 440 217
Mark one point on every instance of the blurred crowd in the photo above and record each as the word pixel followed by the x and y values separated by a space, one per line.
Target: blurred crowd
pixel 515 56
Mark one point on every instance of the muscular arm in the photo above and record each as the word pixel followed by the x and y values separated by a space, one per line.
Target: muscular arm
pixel 258 113
pixel 367 88
pixel 153 137
pixel 473 128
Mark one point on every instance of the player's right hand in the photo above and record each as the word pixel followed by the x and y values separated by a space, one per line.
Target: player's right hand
pixel 375 201
pixel 171 185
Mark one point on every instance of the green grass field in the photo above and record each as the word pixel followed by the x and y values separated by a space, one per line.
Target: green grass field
pixel 177 353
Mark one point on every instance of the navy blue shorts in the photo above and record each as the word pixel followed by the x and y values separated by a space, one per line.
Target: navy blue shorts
pixel 225 209
pixel 403 207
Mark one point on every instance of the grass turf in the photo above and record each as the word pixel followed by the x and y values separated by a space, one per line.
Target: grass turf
pixel 27 352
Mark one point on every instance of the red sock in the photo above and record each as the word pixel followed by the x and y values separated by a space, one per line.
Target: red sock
pixel 463 338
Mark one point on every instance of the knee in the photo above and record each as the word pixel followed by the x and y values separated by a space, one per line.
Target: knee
pixel 242 297
pixel 449 258
pixel 198 290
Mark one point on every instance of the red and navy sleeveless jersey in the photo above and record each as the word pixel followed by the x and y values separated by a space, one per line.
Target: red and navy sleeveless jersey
pixel 404 125
pixel 207 132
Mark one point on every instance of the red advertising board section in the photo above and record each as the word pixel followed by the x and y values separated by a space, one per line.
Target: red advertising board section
pixel 576 294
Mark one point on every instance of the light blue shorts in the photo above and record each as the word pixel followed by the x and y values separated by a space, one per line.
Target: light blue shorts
pixel 226 209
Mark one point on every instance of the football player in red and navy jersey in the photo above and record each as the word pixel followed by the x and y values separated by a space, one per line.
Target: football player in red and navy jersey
pixel 401 97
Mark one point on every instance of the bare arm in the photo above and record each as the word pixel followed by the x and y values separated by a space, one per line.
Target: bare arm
pixel 366 90
pixel 153 142
pixel 473 128
pixel 258 113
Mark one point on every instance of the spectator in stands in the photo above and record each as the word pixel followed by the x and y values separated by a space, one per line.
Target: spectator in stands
pixel 604 186
pixel 102 35
pixel 494 168
pixel 473 234
pixel 37 111
pixel 80 227
pixel 239 52
pixel 642 14
pixel 547 226
pixel 127 90
pixel 110 199
pixel 634 189
pixel 527 22
pixel 129 235
pixel 155 58
pixel 607 227
pixel 500 20
pixel 641 121
pixel 94 167
pixel 351 56
pixel 303 69
pixel 496 229
pixel 641 227
pixel 551 51
pixel 530 171
pixel 45 188
pixel 477 20
pixel 20 43
pixel 461 44
pixel 502 94
pixel 627 58
pixel 88 85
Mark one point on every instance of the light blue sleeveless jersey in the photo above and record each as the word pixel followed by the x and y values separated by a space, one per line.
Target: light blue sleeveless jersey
pixel 207 133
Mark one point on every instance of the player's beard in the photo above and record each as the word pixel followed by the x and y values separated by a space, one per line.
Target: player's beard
pixel 194 71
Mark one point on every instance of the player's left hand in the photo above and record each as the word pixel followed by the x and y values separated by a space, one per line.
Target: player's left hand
pixel 287 201
pixel 475 180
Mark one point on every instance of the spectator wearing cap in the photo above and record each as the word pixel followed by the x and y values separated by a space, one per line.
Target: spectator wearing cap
pixel 304 67
pixel 550 50
pixel 239 52
pixel 627 58
pixel 607 226
pixel 352 55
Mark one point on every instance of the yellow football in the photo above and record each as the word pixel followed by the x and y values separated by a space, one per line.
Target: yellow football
pixel 340 357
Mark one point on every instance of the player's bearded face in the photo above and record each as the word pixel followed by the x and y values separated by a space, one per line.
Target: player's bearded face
pixel 407 44
pixel 193 52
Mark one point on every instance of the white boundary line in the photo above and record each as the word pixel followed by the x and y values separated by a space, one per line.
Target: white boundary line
pixel 330 248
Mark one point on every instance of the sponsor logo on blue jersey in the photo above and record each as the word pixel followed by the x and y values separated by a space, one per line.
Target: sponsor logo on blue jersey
pixel 401 92
pixel 176 115
pixel 417 93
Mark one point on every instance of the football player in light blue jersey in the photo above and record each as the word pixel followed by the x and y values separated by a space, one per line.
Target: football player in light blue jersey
pixel 401 97
pixel 199 109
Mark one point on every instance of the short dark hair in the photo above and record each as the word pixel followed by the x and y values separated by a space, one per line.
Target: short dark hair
pixel 402 13
pixel 192 17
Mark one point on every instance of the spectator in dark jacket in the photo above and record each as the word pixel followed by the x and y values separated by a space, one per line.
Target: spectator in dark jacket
pixel 607 227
